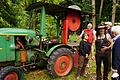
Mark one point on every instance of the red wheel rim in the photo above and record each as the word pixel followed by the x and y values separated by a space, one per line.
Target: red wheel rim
pixel 63 65
pixel 11 76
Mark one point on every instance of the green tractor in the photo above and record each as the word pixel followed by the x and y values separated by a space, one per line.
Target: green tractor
pixel 21 48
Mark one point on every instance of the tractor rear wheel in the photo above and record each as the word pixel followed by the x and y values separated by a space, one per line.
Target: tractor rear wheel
pixel 60 62
pixel 10 73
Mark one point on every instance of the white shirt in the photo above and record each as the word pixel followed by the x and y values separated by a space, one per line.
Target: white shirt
pixel 107 36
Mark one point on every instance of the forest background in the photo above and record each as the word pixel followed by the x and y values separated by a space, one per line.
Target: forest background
pixel 13 14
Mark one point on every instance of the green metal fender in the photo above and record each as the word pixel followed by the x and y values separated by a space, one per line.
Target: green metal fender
pixel 56 47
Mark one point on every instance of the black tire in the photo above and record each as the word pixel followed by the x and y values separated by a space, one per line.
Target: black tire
pixel 11 70
pixel 55 62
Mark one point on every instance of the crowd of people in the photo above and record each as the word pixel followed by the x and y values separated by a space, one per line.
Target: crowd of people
pixel 106 39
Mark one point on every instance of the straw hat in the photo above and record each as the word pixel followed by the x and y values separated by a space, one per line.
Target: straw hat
pixel 101 27
pixel 108 23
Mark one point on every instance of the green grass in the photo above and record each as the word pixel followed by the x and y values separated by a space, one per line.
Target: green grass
pixel 43 74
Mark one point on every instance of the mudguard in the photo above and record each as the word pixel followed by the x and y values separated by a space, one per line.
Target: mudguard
pixel 56 47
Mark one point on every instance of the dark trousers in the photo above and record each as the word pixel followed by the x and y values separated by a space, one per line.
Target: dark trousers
pixel 82 65
pixel 99 59
pixel 110 61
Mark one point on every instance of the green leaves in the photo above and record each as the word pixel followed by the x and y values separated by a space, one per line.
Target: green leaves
pixel 6 14
pixel 13 14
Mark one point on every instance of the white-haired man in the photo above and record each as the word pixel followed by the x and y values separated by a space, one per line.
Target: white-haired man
pixel 116 50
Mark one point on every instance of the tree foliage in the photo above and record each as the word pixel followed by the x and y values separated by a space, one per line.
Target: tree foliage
pixel 106 11
pixel 85 5
pixel 7 14
pixel 13 14
pixel 117 12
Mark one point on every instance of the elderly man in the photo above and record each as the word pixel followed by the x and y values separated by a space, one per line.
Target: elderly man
pixel 116 50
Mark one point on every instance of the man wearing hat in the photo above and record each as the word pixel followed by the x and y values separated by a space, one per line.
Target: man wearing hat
pixel 103 44
pixel 109 26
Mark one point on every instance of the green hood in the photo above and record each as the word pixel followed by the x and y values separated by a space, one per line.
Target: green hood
pixel 16 31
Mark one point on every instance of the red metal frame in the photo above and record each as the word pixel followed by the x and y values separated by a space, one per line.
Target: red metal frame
pixel 72 22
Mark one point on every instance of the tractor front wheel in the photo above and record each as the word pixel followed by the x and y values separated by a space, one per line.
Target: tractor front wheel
pixel 10 73
pixel 60 62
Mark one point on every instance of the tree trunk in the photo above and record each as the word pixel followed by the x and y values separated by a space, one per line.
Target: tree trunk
pixel 101 6
pixel 113 11
pixel 94 14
